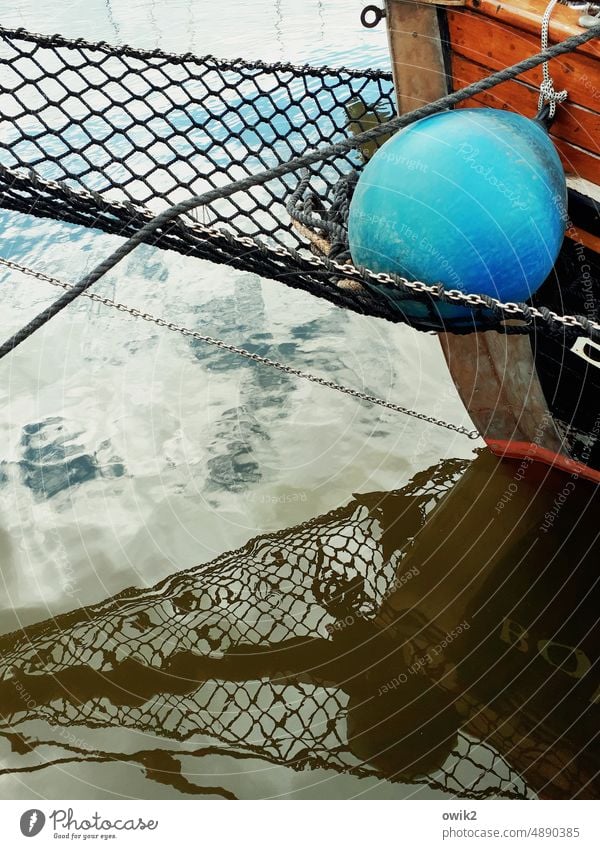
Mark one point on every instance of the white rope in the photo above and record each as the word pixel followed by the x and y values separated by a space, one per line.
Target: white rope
pixel 548 94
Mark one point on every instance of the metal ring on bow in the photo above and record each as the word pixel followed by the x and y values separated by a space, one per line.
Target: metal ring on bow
pixel 371 22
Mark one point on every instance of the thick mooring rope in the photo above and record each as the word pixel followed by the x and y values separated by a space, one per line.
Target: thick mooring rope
pixel 163 219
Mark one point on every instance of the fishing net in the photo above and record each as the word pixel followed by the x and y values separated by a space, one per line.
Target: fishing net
pixel 252 653
pixel 107 137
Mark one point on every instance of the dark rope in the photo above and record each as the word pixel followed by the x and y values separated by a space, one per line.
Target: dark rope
pixel 58 40
pixel 333 221
pixel 164 218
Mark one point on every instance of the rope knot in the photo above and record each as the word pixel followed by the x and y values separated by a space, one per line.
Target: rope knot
pixel 549 95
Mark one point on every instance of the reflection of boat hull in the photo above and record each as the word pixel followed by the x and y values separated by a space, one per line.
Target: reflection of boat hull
pixel 531 399
pixel 406 636
pixel 512 628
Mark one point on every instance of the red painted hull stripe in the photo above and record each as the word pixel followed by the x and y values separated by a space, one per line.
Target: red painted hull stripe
pixel 529 450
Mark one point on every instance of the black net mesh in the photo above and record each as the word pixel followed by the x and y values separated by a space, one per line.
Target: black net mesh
pixel 107 137
pixel 151 129
pixel 251 652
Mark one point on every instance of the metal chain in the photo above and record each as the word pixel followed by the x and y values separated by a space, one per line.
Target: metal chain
pixel 510 309
pixel 454 296
pixel 154 226
pixel 242 352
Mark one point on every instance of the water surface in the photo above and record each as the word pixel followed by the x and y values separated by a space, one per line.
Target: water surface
pixel 130 455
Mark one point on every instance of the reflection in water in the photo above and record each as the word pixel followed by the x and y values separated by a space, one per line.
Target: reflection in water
pixel 442 635
pixel 53 460
pixel 111 18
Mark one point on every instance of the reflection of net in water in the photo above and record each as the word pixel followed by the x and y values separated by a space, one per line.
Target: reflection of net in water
pixel 246 650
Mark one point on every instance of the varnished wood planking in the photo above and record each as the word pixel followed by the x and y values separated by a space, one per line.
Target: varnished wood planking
pixel 527 15
pixel 582 237
pixel 496 46
pixel 416 53
pixel 576 161
pixel 507 32
pixel 573 123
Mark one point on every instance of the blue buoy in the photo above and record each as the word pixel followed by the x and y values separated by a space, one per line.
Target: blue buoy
pixel 474 199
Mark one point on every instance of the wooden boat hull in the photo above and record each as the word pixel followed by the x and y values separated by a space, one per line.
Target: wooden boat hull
pixel 531 398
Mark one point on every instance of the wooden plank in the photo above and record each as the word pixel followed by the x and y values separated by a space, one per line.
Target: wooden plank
pixel 573 123
pixel 496 46
pixel 496 379
pixel 527 15
pixel 494 374
pixel 441 2
pixel 416 52
pixel 576 128
pixel 582 237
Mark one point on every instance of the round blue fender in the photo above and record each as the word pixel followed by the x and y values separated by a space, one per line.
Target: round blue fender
pixel 475 199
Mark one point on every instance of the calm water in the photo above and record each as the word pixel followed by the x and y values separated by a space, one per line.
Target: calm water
pixel 129 455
